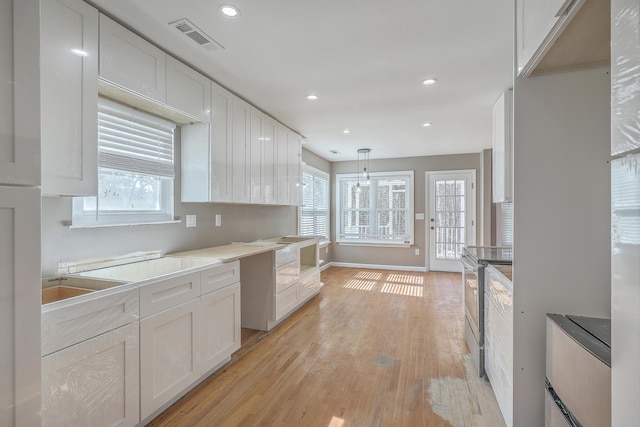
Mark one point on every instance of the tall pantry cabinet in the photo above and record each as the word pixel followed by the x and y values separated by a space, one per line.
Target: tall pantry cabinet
pixel 625 212
pixel 19 213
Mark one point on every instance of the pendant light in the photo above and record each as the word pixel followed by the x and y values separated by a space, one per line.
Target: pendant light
pixel 364 152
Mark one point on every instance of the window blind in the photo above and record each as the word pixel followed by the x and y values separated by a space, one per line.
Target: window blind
pixel 506 224
pixel 313 215
pixel 134 141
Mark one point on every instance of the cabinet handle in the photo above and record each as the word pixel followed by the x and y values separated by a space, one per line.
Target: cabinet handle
pixel 566 6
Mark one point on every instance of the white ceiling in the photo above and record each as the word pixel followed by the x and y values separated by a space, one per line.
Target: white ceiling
pixel 365 59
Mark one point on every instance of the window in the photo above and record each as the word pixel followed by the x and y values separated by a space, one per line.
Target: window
pixel 379 211
pixel 313 215
pixel 135 169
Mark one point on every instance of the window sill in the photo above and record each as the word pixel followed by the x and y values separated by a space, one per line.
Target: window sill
pixel 324 243
pixel 134 224
pixel 378 245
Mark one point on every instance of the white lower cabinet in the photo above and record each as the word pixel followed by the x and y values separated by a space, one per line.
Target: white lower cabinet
pixel 220 325
pixel 169 355
pixel 286 301
pixel 310 284
pixel 94 382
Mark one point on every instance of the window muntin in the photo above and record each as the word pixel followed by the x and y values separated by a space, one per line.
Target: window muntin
pixel 313 214
pixel 135 169
pixel 377 211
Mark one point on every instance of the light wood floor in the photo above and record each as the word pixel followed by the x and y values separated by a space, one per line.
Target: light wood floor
pixel 375 348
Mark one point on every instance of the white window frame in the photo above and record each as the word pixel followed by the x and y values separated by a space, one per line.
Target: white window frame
pixel 110 159
pixel 317 173
pixel 409 210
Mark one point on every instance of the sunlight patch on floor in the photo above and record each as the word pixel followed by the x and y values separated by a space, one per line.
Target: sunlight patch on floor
pixel 368 275
pixel 362 285
pixel 406 278
pixel 398 289
pixel 336 422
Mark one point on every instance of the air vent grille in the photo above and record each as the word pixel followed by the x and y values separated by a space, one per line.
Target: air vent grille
pixel 187 28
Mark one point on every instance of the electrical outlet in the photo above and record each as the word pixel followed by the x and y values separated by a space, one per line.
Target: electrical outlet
pixel 218 220
pixel 417 251
pixel 191 221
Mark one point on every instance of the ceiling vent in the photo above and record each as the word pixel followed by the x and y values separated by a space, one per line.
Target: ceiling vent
pixel 187 28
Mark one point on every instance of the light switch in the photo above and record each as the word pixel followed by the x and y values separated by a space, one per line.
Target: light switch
pixel 218 220
pixel 191 221
pixel 417 251
pixel 420 216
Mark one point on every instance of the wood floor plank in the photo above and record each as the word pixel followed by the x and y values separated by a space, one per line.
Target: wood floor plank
pixel 375 348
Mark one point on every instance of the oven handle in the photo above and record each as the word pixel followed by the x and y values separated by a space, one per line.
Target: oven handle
pixel 468 264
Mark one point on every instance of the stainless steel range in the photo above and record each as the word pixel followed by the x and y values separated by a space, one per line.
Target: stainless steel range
pixel 474 259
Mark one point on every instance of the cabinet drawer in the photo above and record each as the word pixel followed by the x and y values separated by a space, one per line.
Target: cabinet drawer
pixel 500 295
pixel 309 284
pixel 286 276
pixel 580 379
pixel 286 255
pixel 159 296
pixel 71 324
pixel 220 276
pixel 286 301
pixel 95 382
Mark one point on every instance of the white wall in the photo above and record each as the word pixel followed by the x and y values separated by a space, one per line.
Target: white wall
pixel 561 217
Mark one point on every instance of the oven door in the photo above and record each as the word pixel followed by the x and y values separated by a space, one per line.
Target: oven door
pixel 471 282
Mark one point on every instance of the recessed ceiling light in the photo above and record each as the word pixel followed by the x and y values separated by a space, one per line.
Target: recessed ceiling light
pixel 79 52
pixel 312 97
pixel 426 124
pixel 346 131
pixel 229 11
pixel 334 152
pixel 429 81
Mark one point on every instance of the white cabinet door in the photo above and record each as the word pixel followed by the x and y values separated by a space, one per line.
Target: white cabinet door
pixel 263 158
pixel 282 166
pixel 295 170
pixel 309 284
pixel 69 63
pixel 20 304
pixel 169 355
pixel 539 24
pixel 286 301
pixel 221 144
pixel 257 140
pixel 220 325
pixel 95 382
pixel 130 61
pixel 188 91
pixel 241 151
pixel 19 93
pixel 501 154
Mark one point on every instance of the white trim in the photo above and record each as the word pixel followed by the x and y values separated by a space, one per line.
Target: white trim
pixel 377 266
pixel 325 266
pixel 376 244
pixel 410 200
pixel 427 200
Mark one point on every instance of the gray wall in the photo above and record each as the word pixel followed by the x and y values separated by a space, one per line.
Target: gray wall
pixel 401 256
pixel 239 223
pixel 561 217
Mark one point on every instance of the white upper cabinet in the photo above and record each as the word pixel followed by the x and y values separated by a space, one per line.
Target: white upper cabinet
pixel 539 24
pixel 241 155
pixel 207 153
pixel 19 93
pixel 295 170
pixel 502 144
pixel 131 62
pixel 282 165
pixel 69 91
pixel 221 144
pixel 263 158
pixel 187 90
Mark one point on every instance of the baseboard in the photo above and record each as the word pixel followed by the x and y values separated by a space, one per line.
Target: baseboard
pixel 376 266
pixel 325 266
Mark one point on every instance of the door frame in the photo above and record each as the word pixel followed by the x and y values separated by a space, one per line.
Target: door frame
pixel 471 201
